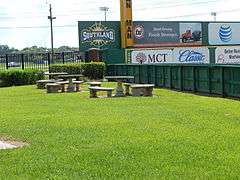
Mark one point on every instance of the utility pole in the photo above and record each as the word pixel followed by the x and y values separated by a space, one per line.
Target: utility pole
pixel 214 14
pixel 104 9
pixel 51 19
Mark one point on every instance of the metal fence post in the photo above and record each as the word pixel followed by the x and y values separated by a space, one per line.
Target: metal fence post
pixel 63 58
pixel 6 61
pixel 49 61
pixel 22 61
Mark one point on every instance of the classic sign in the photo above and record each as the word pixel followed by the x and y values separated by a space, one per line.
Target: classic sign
pixel 227 55
pixel 97 35
pixel 198 55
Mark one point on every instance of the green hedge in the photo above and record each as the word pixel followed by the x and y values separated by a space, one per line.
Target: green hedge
pixel 91 70
pixel 19 77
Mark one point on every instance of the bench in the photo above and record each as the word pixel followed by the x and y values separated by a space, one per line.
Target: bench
pixel 127 89
pixel 77 83
pixel 142 89
pixel 41 84
pixel 91 84
pixel 63 83
pixel 94 90
pixel 53 87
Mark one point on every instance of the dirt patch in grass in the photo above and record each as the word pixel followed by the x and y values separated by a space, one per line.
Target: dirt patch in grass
pixel 11 144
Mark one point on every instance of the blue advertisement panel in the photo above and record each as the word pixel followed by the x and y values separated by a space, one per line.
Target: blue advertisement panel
pixel 224 33
pixel 150 33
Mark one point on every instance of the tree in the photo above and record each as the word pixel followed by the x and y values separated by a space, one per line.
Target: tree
pixel 65 49
pixel 4 49
pixel 34 49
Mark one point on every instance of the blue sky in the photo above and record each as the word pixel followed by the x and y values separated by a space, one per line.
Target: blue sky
pixel 24 22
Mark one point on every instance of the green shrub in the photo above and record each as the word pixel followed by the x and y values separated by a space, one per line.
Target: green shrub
pixel 93 70
pixel 19 77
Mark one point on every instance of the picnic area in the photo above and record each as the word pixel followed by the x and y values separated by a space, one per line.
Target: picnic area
pixel 69 135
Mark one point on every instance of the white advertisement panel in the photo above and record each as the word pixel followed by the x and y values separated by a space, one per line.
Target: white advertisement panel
pixel 223 33
pixel 189 55
pixel 227 55
pixel 198 55
pixel 151 56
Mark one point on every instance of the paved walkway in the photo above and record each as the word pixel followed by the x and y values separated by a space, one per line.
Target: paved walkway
pixel 4 145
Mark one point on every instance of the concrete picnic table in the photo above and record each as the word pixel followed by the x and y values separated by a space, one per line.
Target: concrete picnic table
pixel 70 77
pixel 55 75
pixel 120 80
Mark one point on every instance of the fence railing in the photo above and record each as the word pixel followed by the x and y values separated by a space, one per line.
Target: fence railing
pixel 221 80
pixel 38 60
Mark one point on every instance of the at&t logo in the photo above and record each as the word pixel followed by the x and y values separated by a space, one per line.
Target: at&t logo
pixel 225 33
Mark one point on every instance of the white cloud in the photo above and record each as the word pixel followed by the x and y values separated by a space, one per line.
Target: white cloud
pixel 32 13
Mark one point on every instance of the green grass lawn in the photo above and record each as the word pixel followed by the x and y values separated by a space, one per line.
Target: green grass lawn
pixel 173 135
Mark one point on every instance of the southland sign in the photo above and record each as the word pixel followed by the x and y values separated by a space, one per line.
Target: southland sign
pixel 166 56
pixel 227 55
pixel 97 35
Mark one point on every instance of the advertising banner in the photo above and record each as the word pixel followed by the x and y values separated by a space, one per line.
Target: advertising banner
pixel 102 35
pixel 224 33
pixel 170 56
pixel 167 33
pixel 151 57
pixel 227 55
pixel 198 55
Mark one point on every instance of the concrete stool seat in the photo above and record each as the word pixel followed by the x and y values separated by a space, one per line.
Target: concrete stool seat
pixel 127 88
pixel 77 83
pixel 142 89
pixel 95 89
pixel 91 84
pixel 62 84
pixel 53 87
pixel 41 84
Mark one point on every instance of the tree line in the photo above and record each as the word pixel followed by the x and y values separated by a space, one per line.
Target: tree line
pixel 5 49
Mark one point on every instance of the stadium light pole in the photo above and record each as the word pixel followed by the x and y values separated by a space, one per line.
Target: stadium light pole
pixel 104 9
pixel 51 18
pixel 214 14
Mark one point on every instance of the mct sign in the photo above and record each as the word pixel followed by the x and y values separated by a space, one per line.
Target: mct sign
pixel 151 56
pixel 223 33
pixel 197 55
